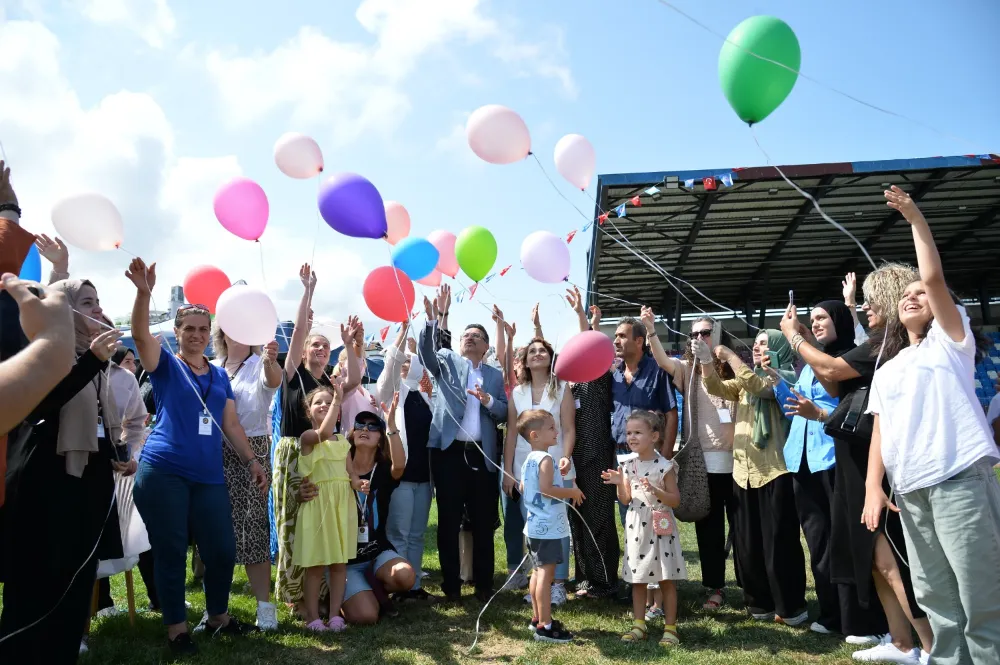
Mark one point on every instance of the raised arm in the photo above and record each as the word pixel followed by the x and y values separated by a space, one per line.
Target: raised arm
pixel 396 453
pixel 943 307
pixel 670 365
pixel 575 301
pixel 726 389
pixel 425 345
pixel 501 338
pixel 510 444
pixel 55 252
pixel 536 321
pixel 850 285
pixel 147 346
pixel 329 424
pixel 301 330
pixel 347 335
pixel 389 380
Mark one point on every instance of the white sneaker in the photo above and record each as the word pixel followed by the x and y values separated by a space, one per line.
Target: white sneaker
pixel 107 612
pixel 558 594
pixel 862 640
pixel 795 621
pixel 517 581
pixel 820 629
pixel 887 652
pixel 267 616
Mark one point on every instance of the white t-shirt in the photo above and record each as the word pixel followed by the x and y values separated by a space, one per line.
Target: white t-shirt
pixel 994 411
pixel 521 395
pixel 931 423
pixel 253 397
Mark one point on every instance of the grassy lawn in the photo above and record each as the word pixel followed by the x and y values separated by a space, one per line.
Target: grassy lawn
pixel 439 635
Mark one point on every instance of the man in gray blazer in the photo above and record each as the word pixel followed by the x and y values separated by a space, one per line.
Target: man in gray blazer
pixel 468 404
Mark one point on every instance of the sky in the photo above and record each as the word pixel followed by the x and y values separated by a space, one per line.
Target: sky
pixel 156 103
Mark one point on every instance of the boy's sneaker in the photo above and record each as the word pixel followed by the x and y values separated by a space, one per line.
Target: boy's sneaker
pixel 555 634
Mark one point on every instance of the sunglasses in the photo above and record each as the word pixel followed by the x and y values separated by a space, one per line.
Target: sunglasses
pixel 702 333
pixel 370 427
pixel 184 308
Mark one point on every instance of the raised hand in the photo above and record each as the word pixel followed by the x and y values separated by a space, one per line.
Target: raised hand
pixel 143 277
pixel 574 299
pixel 595 317
pixel 428 310
pixel 511 329
pixel 307 277
pixel 535 319
pixel 850 286
pixel 391 411
pixel 54 251
pixel 701 351
pixel 899 200
pixel 790 324
pixel 271 351
pixel 7 194
pixel 648 319
pixel 443 300
pixel 105 344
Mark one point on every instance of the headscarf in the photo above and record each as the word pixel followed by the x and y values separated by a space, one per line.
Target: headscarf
pixel 843 325
pixel 77 437
pixel 777 343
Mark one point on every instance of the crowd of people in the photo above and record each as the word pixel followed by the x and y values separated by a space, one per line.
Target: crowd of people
pixel 870 443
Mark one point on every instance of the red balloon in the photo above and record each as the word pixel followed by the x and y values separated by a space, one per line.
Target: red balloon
pixel 585 357
pixel 203 286
pixel 389 294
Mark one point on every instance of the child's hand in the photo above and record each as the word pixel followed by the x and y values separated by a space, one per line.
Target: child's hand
pixel 576 496
pixel 646 485
pixel 612 476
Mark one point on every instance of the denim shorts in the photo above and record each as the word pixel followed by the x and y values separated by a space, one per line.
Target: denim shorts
pixel 356 581
pixel 545 551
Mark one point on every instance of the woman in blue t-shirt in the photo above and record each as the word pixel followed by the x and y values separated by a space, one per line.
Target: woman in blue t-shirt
pixel 180 484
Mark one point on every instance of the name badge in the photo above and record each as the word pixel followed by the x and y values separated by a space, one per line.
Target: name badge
pixel 205 424
pixel 363 534
pixel 100 427
pixel 724 416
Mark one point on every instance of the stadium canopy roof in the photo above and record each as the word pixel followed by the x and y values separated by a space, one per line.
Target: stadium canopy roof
pixel 748 244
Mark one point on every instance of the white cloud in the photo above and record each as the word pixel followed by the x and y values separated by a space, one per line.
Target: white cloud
pixel 124 147
pixel 152 20
pixel 358 88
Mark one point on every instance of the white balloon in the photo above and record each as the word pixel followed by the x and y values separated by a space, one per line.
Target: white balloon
pixel 247 315
pixel 298 156
pixel 89 221
pixel 576 160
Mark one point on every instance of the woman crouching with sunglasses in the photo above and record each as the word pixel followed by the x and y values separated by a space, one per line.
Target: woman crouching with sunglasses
pixel 377 570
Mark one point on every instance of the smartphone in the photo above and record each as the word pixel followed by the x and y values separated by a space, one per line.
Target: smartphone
pixel 773 355
pixel 791 297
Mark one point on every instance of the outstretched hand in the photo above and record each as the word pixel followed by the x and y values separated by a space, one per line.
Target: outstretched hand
pixel 143 277
pixel 307 277
pixel 54 251
pixel 850 286
pixel 899 200
pixel 480 394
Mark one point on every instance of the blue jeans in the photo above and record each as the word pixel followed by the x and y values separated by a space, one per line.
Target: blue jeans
pixel 515 513
pixel 174 509
pixel 407 522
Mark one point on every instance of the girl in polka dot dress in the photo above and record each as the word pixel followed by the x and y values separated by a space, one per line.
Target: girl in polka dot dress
pixel 648 484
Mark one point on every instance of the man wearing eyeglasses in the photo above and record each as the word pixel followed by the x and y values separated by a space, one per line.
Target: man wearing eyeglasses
pixel 466 408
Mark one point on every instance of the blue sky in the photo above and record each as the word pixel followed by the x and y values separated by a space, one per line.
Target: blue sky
pixel 385 85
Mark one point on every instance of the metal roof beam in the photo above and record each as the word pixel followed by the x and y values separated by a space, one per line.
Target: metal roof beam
pixel 984 220
pixel 692 235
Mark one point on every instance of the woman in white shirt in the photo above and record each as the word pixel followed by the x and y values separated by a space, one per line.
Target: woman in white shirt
pixel 255 375
pixel 538 388
pixel 931 439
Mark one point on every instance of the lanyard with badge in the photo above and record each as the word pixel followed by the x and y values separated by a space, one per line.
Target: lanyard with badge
pixel 204 418
pixel 363 507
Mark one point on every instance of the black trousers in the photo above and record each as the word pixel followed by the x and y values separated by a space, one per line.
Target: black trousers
pixel 769 560
pixel 597 563
pixel 839 610
pixel 104 599
pixel 29 597
pixel 711 530
pixel 464 481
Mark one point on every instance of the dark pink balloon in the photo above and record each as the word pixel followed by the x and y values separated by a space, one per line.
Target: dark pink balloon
pixel 585 357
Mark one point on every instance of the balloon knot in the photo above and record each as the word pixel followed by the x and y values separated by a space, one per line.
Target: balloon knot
pixel 530 154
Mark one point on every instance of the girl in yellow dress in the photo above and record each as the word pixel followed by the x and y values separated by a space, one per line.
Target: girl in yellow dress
pixel 326 528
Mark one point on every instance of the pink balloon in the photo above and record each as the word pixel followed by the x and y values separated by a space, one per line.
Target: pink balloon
pixel 298 156
pixel 585 357
pixel 444 241
pixel 576 160
pixel 545 257
pixel 397 222
pixel 433 279
pixel 242 209
pixel 498 135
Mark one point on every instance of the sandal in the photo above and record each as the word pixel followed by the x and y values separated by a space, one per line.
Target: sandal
pixel 317 626
pixel 670 637
pixel 637 634
pixel 337 624
pixel 715 600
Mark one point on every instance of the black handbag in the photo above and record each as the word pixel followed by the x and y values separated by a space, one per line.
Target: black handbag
pixel 849 422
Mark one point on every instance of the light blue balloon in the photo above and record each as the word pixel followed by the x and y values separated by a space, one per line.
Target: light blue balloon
pixel 31 269
pixel 416 257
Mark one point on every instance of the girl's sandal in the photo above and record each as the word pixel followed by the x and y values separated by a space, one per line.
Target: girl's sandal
pixel 714 601
pixel 637 634
pixel 670 637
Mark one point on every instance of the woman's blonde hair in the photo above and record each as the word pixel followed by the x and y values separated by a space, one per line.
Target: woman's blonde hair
pixel 883 289
pixel 219 346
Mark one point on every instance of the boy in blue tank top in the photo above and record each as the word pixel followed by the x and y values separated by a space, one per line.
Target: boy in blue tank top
pixel 547 522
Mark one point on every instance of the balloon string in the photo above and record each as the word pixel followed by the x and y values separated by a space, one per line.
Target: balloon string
pixel 821 84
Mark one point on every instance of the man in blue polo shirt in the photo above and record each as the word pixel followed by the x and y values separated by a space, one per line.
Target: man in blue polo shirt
pixel 638 383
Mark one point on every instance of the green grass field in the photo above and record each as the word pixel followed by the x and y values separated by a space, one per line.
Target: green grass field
pixel 429 634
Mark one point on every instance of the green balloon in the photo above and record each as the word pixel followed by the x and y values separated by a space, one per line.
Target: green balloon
pixel 476 251
pixel 755 87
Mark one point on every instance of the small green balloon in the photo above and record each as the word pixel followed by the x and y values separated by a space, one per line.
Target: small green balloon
pixel 755 87
pixel 476 251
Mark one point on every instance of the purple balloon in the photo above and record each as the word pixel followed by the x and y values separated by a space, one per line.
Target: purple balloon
pixel 351 205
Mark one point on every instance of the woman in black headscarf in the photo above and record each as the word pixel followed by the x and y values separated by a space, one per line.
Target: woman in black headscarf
pixel 810 457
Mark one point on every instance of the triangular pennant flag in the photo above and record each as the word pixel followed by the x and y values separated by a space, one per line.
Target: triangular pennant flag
pixel 385 333
pixel 569 238
pixel 504 271
pixel 709 182
pixel 586 226
pixel 396 327
pixel 489 277
pixel 460 297
pixel 603 217
pixel 652 190
pixel 472 291
pixel 689 183
pixel 636 202
pixel 620 210
pixel 727 179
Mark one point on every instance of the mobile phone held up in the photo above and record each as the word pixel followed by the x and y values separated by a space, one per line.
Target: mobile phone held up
pixel 773 355
pixel 791 297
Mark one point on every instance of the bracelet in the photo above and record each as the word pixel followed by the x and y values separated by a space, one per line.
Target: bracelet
pixel 250 461
pixel 442 314
pixel 394 433
pixel 823 416
pixel 797 340
pixel 12 207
